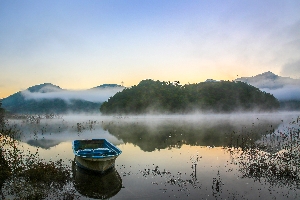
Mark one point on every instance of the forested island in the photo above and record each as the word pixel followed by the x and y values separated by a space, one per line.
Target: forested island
pixel 171 97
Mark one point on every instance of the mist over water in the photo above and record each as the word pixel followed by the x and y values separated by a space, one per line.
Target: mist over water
pixel 167 156
pixel 213 127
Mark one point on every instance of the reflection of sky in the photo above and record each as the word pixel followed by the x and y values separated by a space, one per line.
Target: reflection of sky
pixel 82 44
pixel 140 179
pixel 178 162
pixel 61 151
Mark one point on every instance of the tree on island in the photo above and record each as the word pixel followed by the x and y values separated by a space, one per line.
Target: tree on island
pixel 171 97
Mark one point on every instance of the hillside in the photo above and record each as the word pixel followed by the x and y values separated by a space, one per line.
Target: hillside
pixel 44 88
pixel 57 106
pixel 167 97
pixel 48 98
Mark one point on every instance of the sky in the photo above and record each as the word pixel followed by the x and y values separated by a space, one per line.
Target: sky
pixel 80 44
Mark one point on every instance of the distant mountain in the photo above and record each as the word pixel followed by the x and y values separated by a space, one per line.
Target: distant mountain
pixel 48 98
pixel 285 89
pixel 44 88
pixel 107 86
pixel 269 80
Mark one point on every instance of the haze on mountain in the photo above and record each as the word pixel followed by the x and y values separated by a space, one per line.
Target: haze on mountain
pixel 49 98
pixel 49 91
pixel 283 88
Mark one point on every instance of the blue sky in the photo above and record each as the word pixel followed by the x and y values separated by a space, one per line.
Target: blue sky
pixel 81 44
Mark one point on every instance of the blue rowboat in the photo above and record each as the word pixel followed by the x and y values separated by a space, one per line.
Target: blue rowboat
pixel 97 155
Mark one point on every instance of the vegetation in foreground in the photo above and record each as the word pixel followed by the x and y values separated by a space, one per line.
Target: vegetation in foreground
pixel 167 97
pixel 23 175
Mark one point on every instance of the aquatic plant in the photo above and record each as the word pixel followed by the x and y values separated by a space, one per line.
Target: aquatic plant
pixel 276 159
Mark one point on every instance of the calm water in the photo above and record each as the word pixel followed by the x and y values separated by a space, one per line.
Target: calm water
pixel 167 156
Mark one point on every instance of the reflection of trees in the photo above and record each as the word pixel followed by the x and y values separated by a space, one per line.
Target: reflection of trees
pixel 276 160
pixel 43 143
pixel 174 134
pixel 34 133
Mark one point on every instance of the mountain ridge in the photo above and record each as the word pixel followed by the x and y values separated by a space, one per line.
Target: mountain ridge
pixel 44 87
pixel 269 80
pixel 50 98
pixel 46 95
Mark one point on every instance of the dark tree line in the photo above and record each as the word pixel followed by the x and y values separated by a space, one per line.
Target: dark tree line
pixel 171 97
pixel 18 104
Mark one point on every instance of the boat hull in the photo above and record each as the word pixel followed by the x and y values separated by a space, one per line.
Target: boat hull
pixel 95 164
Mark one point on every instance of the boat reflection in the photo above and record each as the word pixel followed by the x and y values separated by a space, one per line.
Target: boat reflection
pixel 93 185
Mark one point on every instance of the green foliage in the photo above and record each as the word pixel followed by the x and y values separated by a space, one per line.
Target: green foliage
pixel 148 95
pixel 168 97
pixel 29 177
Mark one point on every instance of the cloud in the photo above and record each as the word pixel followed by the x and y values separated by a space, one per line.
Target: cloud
pixel 92 95
pixel 288 92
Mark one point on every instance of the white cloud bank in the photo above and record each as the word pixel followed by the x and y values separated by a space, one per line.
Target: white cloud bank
pixel 283 88
pixel 93 95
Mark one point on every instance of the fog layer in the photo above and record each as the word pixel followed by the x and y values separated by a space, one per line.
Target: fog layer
pixel 287 92
pixel 92 95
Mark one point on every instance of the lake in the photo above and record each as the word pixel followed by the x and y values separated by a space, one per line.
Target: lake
pixel 201 156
